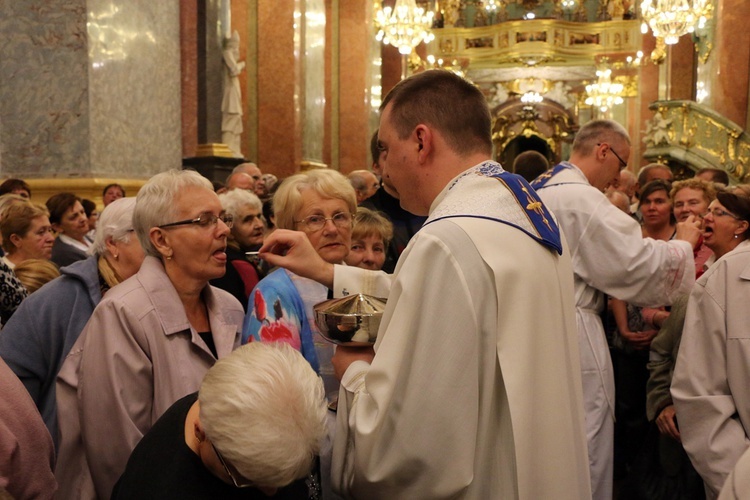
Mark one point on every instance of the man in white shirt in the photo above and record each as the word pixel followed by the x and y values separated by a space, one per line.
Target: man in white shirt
pixel 473 389
pixel 609 256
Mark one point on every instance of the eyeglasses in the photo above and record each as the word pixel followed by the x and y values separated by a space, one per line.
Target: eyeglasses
pixel 205 219
pixel 341 220
pixel 717 212
pixel 623 163
pixel 243 483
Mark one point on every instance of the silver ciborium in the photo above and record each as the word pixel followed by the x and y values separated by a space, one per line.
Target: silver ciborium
pixel 350 321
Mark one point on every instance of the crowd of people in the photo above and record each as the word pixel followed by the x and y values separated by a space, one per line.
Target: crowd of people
pixel 569 331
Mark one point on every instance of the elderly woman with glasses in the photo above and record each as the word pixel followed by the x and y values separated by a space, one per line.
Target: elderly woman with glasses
pixel 243 272
pixel 321 203
pixel 150 340
pixel 710 390
pixel 252 431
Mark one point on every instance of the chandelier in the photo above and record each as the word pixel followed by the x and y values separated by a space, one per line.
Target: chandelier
pixel 670 19
pixel 404 26
pixel 604 93
pixel 569 6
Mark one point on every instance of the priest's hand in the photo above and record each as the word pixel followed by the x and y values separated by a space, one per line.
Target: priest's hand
pixel 345 356
pixel 689 230
pixel 293 251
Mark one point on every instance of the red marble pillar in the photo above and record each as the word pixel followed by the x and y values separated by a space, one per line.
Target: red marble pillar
pixel 279 131
pixel 681 61
pixel 648 92
pixel 731 61
pixel 189 75
pixel 353 68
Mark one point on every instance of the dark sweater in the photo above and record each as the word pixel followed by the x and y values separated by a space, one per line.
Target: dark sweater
pixel 405 224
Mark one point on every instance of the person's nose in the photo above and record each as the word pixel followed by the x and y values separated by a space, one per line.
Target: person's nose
pixel 222 228
pixel 330 227
pixel 369 257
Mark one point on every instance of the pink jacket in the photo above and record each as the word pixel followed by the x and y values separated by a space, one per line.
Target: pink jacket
pixel 136 356
pixel 26 451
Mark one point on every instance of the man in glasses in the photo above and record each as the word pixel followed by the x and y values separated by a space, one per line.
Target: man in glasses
pixel 473 390
pixel 253 430
pixel 609 257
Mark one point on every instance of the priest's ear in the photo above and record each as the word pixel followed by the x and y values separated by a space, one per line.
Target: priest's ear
pixel 425 141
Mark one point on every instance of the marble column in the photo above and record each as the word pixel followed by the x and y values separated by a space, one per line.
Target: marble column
pixel 355 83
pixel 725 75
pixel 89 89
pixel 280 139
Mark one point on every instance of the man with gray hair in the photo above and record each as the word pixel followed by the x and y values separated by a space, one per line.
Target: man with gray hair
pixel 253 171
pixel 609 257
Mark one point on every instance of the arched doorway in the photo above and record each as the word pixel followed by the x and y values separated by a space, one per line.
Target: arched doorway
pixel 546 127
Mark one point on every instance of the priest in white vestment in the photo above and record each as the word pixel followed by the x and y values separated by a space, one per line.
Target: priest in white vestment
pixel 474 390
pixel 609 256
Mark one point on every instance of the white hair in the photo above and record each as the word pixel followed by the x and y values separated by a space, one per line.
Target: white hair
pixel 263 407
pixel 235 200
pixel 155 202
pixel 116 222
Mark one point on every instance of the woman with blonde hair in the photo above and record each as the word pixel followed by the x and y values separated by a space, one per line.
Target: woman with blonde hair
pixel 35 273
pixel 321 203
pixel 370 238
pixel 39 336
pixel 27 233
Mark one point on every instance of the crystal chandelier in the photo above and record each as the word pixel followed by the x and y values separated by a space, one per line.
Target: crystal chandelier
pixel 604 93
pixel 404 26
pixel 670 19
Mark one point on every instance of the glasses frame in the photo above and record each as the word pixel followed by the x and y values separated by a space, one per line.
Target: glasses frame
pixel 349 224
pixel 623 163
pixel 718 212
pixel 229 472
pixel 227 219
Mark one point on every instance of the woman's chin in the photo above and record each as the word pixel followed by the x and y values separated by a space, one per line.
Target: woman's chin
pixel 334 254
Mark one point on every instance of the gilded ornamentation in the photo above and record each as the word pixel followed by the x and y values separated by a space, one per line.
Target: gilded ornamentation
pixel 533 42
pixel 693 135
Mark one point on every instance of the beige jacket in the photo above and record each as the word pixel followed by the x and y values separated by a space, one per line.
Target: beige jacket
pixel 136 356
pixel 710 386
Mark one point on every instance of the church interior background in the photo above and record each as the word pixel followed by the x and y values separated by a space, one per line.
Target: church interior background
pixel 100 91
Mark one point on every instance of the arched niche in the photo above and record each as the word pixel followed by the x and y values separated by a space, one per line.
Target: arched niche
pixel 518 126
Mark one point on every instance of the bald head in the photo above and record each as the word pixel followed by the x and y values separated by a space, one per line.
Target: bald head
pixel 365 183
pixel 654 171
pixel 240 180
pixel 250 169
pixel 628 183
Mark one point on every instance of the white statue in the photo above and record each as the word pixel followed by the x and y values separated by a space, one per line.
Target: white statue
pixel 231 104
pixel 657 130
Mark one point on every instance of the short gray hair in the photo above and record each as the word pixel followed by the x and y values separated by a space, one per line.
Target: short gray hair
pixel 263 407
pixel 233 201
pixel 116 222
pixel 598 131
pixel 155 202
